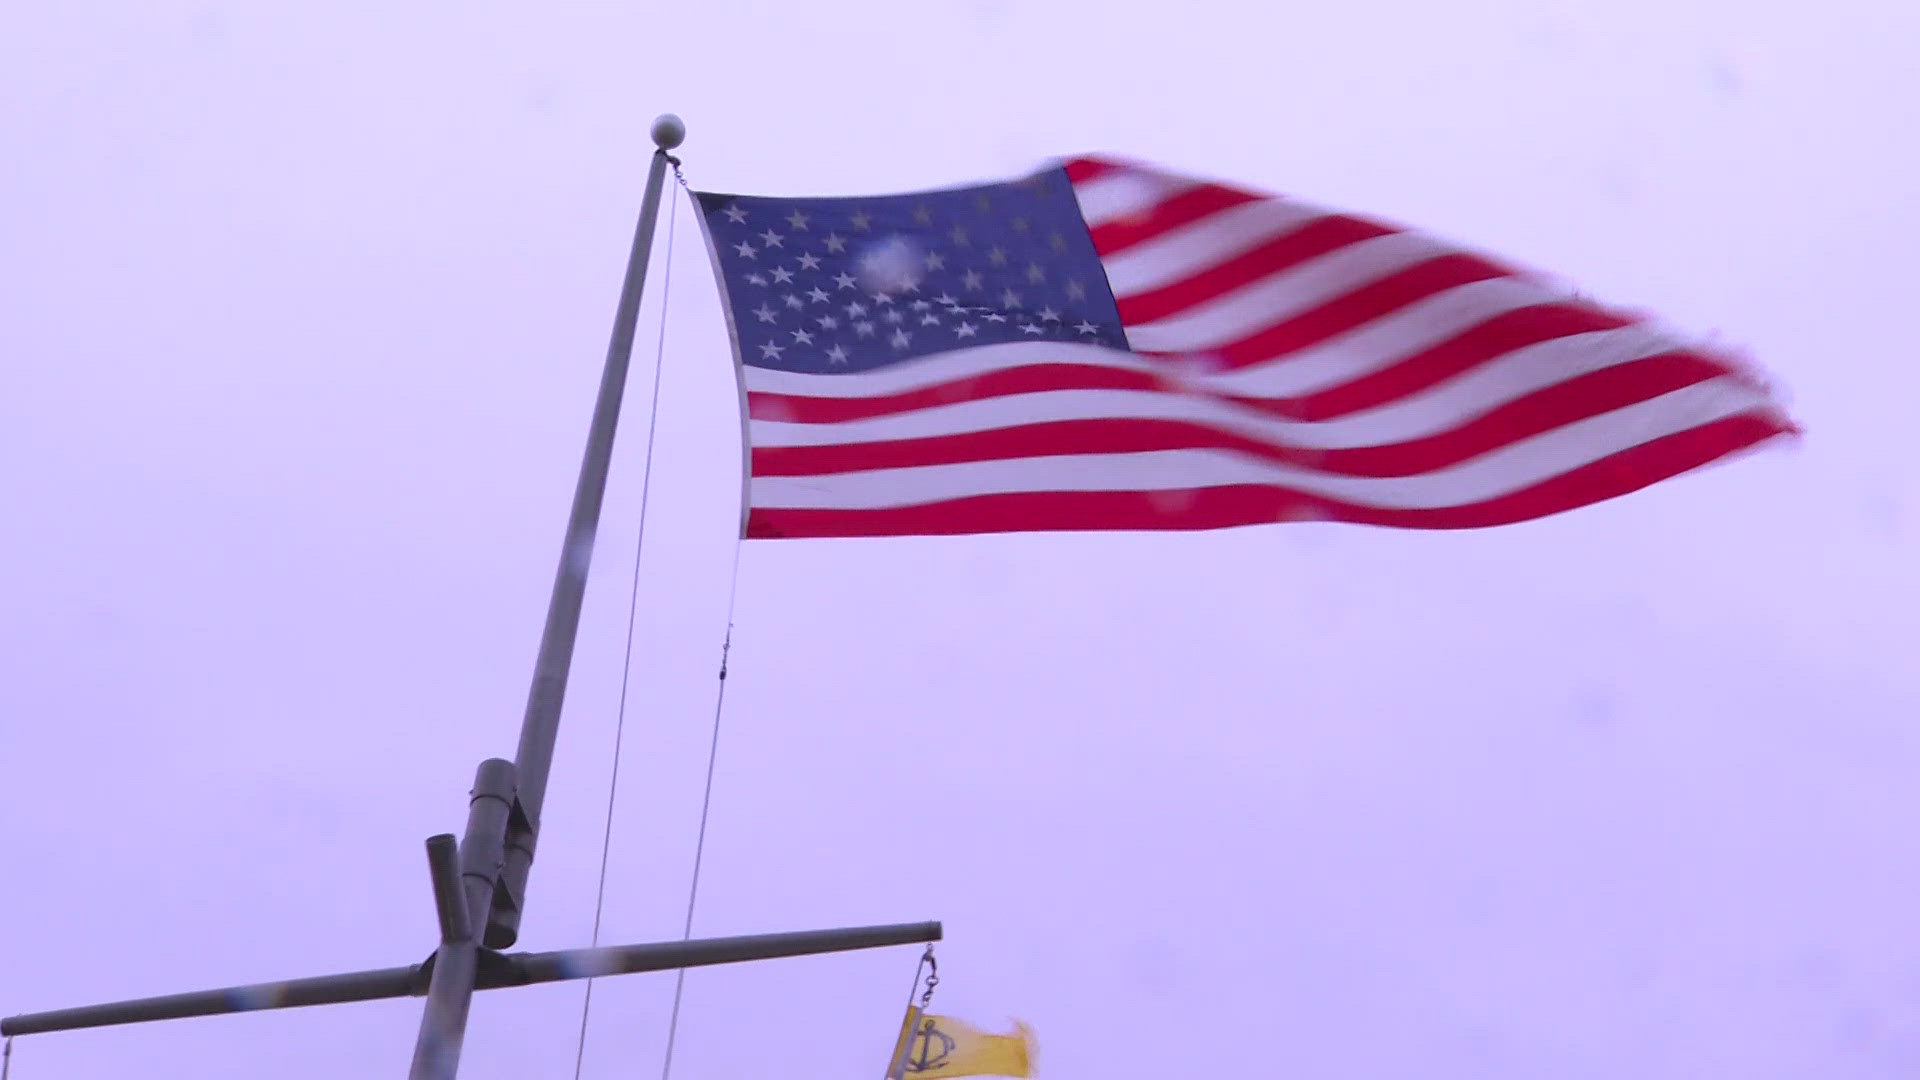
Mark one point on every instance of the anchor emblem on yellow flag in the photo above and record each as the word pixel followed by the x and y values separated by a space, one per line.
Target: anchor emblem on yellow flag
pixel 933 1047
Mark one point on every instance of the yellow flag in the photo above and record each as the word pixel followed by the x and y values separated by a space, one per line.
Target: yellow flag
pixel 935 1047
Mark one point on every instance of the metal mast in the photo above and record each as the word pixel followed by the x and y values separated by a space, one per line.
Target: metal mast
pixel 479 883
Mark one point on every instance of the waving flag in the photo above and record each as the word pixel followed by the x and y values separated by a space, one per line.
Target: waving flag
pixel 936 1047
pixel 1104 345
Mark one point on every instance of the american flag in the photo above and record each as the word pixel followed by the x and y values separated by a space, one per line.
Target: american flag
pixel 1105 345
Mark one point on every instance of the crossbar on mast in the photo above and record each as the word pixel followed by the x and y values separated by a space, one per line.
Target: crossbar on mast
pixel 495 970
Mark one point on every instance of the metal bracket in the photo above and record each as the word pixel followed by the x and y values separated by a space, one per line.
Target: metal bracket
pixel 503 920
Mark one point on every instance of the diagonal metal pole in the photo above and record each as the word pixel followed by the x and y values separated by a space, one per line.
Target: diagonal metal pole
pixel 504 816
pixel 549 689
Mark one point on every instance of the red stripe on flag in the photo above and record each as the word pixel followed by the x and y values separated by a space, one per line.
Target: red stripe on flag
pixel 1577 399
pixel 1469 349
pixel 1213 508
pixel 1310 241
pixel 1037 378
pixel 1081 170
pixel 1356 308
pixel 1184 208
pixel 1524 417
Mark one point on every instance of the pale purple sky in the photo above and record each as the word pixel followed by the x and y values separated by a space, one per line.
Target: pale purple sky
pixel 301 313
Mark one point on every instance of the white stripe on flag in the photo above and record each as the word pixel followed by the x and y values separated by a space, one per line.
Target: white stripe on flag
pixel 1512 468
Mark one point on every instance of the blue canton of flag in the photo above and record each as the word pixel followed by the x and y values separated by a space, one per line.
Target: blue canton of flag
pixel 837 285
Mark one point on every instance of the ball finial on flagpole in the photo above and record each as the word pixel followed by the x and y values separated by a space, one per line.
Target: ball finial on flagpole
pixel 668 131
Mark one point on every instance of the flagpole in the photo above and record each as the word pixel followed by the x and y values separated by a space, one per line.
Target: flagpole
pixel 479 882
pixel 503 819
pixel 544 698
